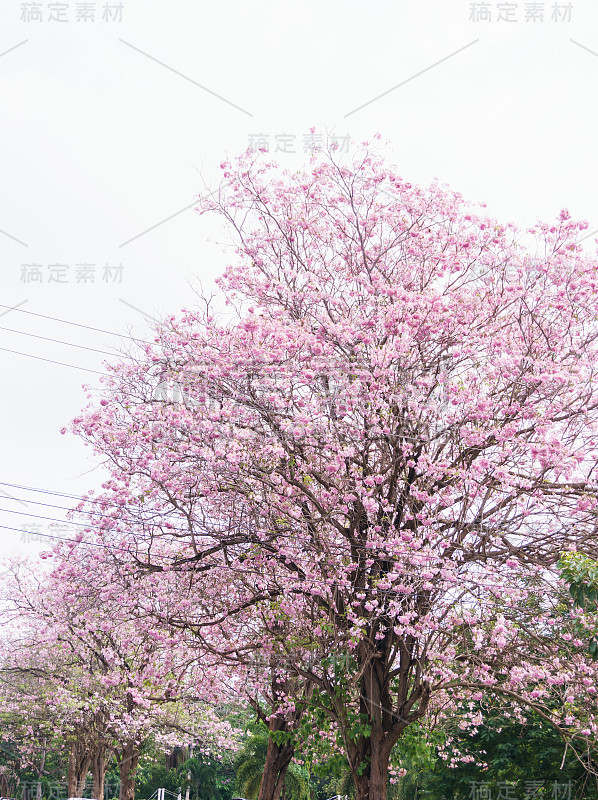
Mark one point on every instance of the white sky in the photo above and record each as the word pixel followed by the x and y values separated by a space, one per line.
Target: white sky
pixel 100 142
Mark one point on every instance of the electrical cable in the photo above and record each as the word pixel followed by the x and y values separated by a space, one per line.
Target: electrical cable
pixel 69 322
pixel 88 526
pixel 60 341
pixel 51 361
pixel 238 570
pixel 171 530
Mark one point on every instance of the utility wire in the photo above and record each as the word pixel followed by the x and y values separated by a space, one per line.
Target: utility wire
pixel 171 559
pixel 250 365
pixel 172 530
pixel 112 504
pixel 51 361
pixel 60 341
pixel 76 324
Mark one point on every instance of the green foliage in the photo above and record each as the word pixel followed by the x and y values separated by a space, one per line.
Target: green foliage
pixel 581 573
pixel 504 752
pixel 18 767
pixel 345 787
pixel 206 778
pixel 339 695
pixel 416 751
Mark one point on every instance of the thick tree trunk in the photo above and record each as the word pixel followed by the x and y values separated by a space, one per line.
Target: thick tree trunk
pixel 371 754
pixel 79 761
pixel 379 771
pixel 282 774
pixel 372 784
pixel 362 787
pixel 278 758
pixel 98 770
pixel 128 767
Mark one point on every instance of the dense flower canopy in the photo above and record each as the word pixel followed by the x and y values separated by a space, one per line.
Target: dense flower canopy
pixel 378 461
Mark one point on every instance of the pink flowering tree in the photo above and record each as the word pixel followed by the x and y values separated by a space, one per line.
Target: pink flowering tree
pixel 378 456
pixel 29 732
pixel 108 680
pixel 218 618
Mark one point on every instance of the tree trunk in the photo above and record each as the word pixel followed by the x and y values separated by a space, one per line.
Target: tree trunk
pixel 79 761
pixel 371 754
pixel 362 787
pixel 373 782
pixel 98 770
pixel 279 791
pixel 42 766
pixel 278 758
pixel 379 772
pixel 128 767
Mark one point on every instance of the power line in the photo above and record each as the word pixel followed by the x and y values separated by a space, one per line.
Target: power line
pixel 170 530
pixel 76 541
pixel 49 491
pixel 76 324
pixel 47 519
pixel 242 571
pixel 135 521
pixel 220 566
pixel 241 368
pixel 341 370
pixel 173 559
pixel 73 511
pixel 60 341
pixel 173 530
pixel 227 567
pixel 51 361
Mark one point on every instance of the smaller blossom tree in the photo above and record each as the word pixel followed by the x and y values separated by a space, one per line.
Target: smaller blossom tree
pixel 111 681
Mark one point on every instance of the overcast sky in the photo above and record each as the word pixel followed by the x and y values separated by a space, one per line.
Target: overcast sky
pixel 113 114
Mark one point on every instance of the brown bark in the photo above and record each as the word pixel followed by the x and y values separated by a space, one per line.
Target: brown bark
pixel 369 756
pixel 79 761
pixel 98 770
pixel 278 758
pixel 129 759
pixel 372 783
pixel 362 787
pixel 283 766
pixel 38 793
